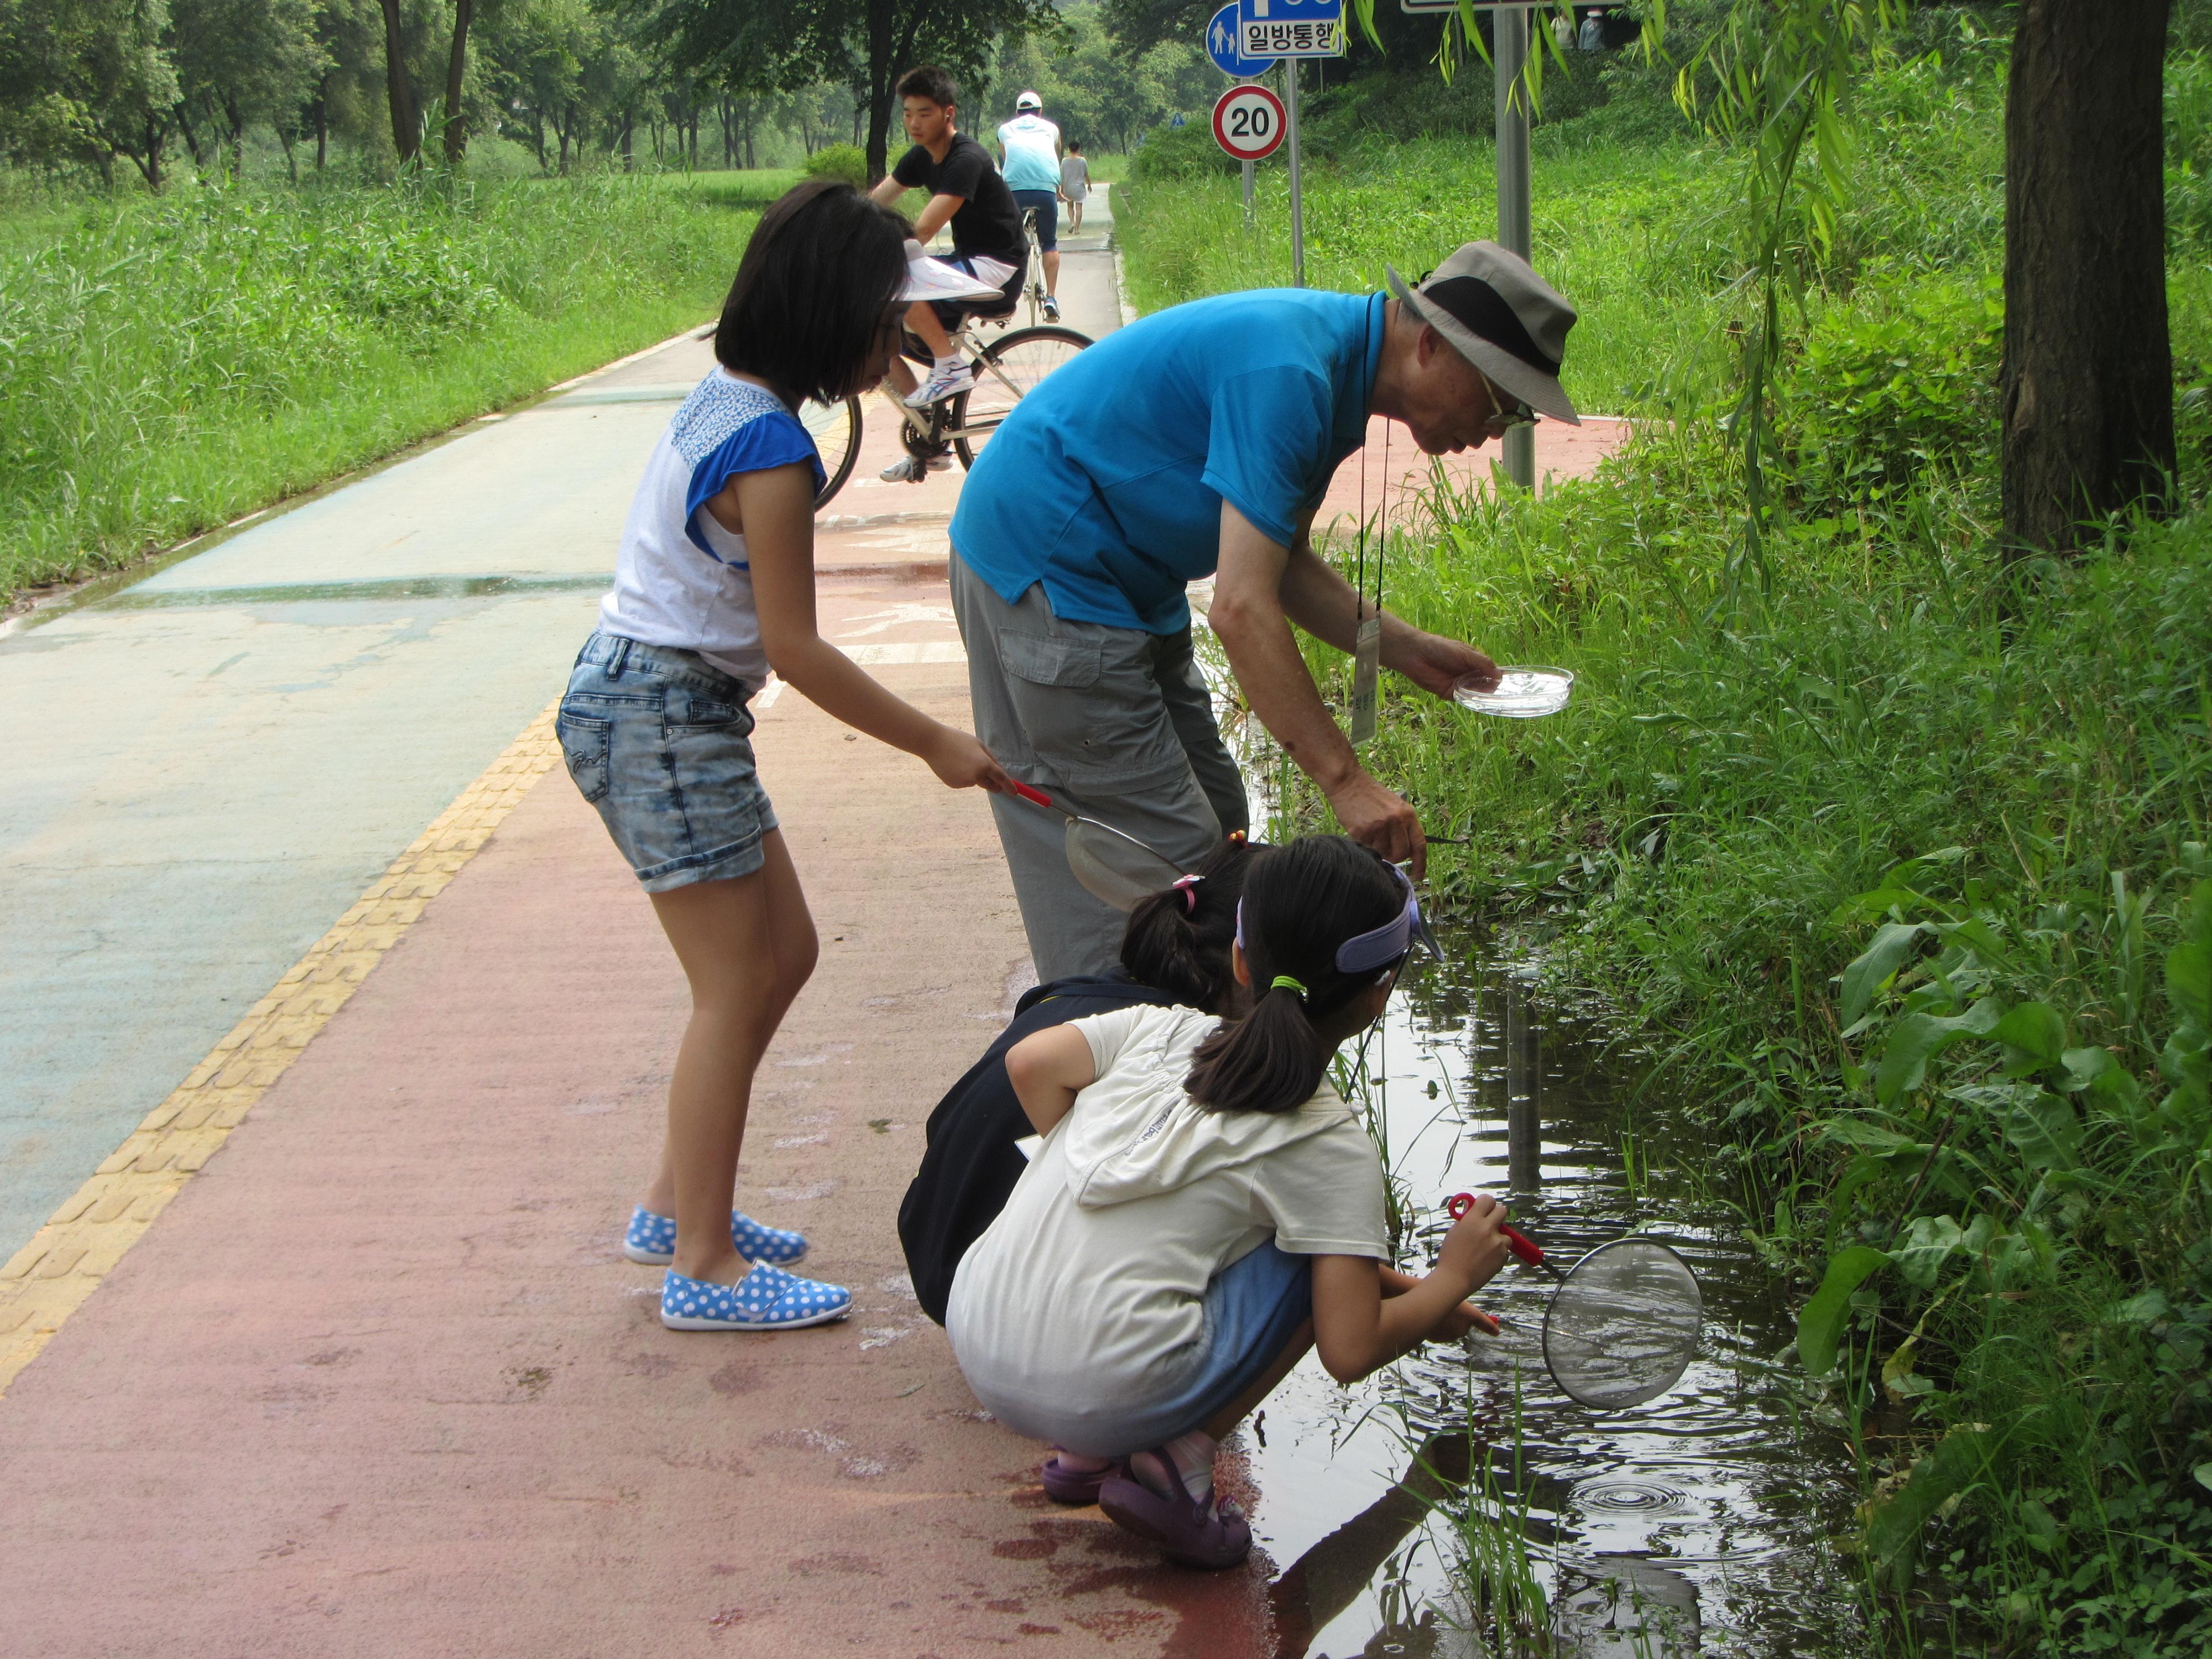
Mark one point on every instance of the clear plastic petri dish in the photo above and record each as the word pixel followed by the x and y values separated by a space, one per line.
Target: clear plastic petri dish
pixel 1523 693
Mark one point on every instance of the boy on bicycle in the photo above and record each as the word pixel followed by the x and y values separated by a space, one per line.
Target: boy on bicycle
pixel 965 190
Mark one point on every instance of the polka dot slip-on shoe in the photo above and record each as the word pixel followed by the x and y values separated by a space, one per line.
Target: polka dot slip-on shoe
pixel 652 1239
pixel 766 1299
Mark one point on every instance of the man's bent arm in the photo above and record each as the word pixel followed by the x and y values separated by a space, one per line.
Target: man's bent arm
pixel 887 191
pixel 1248 618
pixel 1318 599
pixel 934 213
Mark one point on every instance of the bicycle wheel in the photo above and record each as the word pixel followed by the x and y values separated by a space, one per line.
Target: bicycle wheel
pixel 1010 368
pixel 835 429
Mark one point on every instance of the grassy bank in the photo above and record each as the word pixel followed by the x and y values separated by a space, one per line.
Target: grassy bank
pixel 1894 856
pixel 166 365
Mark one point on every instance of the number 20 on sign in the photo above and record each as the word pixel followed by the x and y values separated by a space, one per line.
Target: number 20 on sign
pixel 1248 122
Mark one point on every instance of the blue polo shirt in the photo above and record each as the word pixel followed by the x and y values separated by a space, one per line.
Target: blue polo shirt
pixel 1106 483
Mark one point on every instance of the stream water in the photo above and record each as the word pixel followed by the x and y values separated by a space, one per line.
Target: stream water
pixel 1699 1524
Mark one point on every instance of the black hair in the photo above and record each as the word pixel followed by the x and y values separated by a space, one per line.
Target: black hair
pixel 1178 941
pixel 1075 146
pixel 931 82
pixel 1301 902
pixel 814 292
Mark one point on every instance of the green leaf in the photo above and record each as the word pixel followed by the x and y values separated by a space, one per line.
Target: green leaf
pixel 1892 943
pixel 1928 1245
pixel 1955 1465
pixel 1917 1039
pixel 2044 1130
pixel 2145 1307
pixel 2204 1473
pixel 1821 1327
pixel 2189 980
pixel 2035 1031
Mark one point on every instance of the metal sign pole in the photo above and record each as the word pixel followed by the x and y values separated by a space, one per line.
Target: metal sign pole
pixel 1248 195
pixel 1297 193
pixel 1509 52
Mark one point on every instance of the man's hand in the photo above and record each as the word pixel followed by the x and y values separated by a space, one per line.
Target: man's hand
pixel 1434 663
pixel 1374 818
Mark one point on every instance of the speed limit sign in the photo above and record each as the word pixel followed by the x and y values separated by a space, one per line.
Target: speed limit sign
pixel 1248 122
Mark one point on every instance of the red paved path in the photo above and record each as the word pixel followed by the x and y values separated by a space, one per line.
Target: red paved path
pixel 379 1384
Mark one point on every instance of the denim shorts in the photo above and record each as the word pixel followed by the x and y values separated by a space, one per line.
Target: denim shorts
pixel 657 739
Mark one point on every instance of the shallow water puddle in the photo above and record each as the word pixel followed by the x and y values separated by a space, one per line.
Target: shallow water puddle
pixel 1696 1524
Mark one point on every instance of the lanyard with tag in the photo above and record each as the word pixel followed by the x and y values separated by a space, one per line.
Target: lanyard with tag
pixel 1367 638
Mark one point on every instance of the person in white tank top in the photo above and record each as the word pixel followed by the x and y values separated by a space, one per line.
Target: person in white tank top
pixel 713 591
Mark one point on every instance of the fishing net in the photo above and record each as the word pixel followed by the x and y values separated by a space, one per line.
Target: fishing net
pixel 1623 1327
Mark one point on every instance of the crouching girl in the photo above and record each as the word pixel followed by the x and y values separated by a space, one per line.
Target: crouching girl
pixel 1205 1208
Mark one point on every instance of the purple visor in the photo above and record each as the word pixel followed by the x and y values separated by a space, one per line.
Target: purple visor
pixel 1378 948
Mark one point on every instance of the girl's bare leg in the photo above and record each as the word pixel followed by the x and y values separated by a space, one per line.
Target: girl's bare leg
pixel 1219 1426
pixel 747 945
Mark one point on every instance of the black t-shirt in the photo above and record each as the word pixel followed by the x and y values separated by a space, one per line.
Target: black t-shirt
pixel 972 1165
pixel 987 224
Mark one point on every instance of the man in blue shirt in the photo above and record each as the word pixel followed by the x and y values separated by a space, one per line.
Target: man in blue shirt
pixel 1028 150
pixel 1199 441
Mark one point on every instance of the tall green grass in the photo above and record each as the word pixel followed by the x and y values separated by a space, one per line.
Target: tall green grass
pixel 1617 231
pixel 166 365
pixel 1893 857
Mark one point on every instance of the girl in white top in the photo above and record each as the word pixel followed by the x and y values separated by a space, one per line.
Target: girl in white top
pixel 713 587
pixel 1202 1210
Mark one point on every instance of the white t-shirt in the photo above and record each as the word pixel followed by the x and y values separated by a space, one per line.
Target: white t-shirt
pixel 1088 1291
pixel 1032 147
pixel 681 579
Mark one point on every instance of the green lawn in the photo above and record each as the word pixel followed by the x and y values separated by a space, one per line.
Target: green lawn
pixel 171 363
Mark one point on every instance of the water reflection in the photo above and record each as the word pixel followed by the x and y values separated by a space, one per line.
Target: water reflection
pixel 1698 1523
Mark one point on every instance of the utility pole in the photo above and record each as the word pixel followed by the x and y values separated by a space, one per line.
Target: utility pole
pixel 1509 55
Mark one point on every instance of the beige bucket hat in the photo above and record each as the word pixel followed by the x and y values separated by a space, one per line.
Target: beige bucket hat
pixel 1502 318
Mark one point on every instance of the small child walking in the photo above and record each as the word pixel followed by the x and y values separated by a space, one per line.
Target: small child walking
pixel 713 587
pixel 1204 1208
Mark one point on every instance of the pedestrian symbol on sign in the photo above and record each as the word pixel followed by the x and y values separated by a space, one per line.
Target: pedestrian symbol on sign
pixel 1221 47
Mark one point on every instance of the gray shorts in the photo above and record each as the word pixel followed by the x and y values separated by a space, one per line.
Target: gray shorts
pixel 658 740
pixel 1116 724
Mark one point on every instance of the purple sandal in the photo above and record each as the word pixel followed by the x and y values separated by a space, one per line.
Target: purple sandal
pixel 1195 1531
pixel 1074 1487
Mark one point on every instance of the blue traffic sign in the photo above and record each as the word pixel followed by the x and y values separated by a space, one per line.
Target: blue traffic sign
pixel 1221 47
pixel 1289 28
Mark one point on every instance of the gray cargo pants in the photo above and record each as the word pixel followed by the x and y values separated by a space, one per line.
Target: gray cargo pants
pixel 1112 723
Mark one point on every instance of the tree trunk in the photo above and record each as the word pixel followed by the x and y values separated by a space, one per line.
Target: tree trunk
pixel 157 140
pixel 457 64
pixel 237 141
pixel 191 135
pixel 406 126
pixel 884 69
pixel 322 124
pixel 2088 368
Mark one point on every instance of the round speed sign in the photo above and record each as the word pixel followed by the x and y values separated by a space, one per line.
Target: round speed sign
pixel 1248 122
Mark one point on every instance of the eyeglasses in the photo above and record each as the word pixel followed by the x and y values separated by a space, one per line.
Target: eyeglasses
pixel 1506 412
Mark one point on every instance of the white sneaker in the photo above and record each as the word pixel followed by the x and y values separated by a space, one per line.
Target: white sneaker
pixel 913 469
pixel 1051 309
pixel 943 383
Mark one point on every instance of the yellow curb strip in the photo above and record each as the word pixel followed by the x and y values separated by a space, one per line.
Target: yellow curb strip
pixel 49 1279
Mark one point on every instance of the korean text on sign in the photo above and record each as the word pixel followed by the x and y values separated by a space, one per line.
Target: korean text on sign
pixel 1262 39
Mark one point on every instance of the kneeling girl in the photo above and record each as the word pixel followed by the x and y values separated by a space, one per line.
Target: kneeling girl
pixel 1203 1209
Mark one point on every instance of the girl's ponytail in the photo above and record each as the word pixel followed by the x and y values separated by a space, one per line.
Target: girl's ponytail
pixel 1300 903
pixel 1178 940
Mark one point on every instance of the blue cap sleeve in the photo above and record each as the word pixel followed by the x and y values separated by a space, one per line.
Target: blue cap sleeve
pixel 772 440
pixel 1271 430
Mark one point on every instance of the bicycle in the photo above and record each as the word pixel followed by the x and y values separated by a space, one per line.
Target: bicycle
pixel 1005 370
